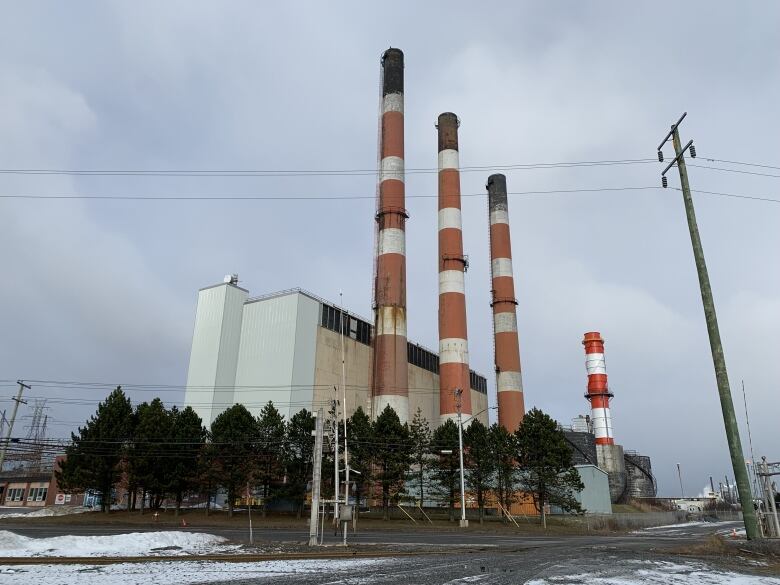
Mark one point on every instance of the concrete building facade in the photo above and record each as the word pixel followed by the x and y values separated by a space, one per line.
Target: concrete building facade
pixel 286 347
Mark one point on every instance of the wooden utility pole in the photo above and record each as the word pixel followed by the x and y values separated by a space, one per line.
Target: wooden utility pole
pixel 17 401
pixel 718 359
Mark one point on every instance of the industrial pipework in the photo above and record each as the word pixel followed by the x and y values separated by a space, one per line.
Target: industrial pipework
pixel 390 371
pixel 598 389
pixel 453 338
pixel 511 406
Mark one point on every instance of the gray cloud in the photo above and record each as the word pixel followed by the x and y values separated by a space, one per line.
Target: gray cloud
pixel 106 290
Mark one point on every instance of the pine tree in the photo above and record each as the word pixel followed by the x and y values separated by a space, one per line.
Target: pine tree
pixel 392 454
pixel 233 435
pixel 188 437
pixel 547 472
pixel 92 461
pixel 150 450
pixel 361 451
pixel 299 455
pixel 504 447
pixel 420 435
pixel 446 462
pixel 270 442
pixel 480 462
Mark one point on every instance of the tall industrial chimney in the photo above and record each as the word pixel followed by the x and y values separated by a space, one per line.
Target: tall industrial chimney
pixel 598 389
pixel 511 407
pixel 453 340
pixel 609 455
pixel 390 372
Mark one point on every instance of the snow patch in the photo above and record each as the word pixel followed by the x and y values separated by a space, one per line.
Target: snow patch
pixel 658 573
pixel 132 544
pixel 171 573
pixel 46 512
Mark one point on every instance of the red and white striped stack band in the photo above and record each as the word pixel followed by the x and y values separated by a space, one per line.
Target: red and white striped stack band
pixel 390 373
pixel 598 389
pixel 453 338
pixel 509 379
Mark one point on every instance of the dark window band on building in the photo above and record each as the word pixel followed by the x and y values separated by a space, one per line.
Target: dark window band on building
pixel 422 358
pixel 357 329
pixel 478 383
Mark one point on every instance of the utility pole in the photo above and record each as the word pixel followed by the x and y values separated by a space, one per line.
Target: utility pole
pixel 463 522
pixel 679 475
pixel 718 359
pixel 344 397
pixel 336 461
pixel 771 511
pixel 316 478
pixel 18 400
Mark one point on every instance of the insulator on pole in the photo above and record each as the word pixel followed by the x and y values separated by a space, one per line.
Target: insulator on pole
pixel 660 156
pixel 664 182
pixel 693 151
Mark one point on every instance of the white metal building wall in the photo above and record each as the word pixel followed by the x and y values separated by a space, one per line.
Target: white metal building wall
pixel 215 344
pixel 276 354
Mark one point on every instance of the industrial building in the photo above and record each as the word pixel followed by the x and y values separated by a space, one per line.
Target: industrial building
pixel 287 347
pixel 293 348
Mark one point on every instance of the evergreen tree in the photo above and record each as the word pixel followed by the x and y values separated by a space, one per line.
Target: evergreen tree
pixel 92 460
pixel 547 472
pixel 446 463
pixel 233 435
pixel 188 437
pixel 270 443
pixel 420 435
pixel 361 451
pixel 150 449
pixel 480 462
pixel 504 447
pixel 299 455
pixel 392 454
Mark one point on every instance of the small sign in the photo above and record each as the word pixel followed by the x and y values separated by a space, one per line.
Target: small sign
pixel 59 499
pixel 67 498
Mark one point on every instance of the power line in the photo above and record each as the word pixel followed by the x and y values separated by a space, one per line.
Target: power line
pixel 735 195
pixel 764 198
pixel 302 197
pixel 311 173
pixel 746 164
pixel 734 171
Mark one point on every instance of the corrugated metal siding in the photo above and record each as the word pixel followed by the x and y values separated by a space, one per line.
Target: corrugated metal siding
pixel 266 354
pixel 302 375
pixel 215 342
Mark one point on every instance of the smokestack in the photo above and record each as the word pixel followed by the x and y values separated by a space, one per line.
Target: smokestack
pixel 511 407
pixel 598 389
pixel 453 340
pixel 390 373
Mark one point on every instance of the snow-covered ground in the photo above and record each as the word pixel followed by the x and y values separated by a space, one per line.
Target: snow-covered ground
pixel 657 573
pixel 694 528
pixel 172 573
pixel 133 544
pixel 44 512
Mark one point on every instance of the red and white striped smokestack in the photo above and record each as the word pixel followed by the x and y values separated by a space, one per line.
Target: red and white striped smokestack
pixel 509 380
pixel 598 389
pixel 390 373
pixel 453 339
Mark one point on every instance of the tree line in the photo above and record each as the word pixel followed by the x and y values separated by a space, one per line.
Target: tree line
pixel 167 453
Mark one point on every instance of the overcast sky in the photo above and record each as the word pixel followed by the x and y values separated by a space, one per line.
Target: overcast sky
pixel 105 291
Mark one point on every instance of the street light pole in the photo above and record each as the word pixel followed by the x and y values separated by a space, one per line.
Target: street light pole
pixel 463 522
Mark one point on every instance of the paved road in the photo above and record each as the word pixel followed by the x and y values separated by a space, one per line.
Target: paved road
pixel 465 557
